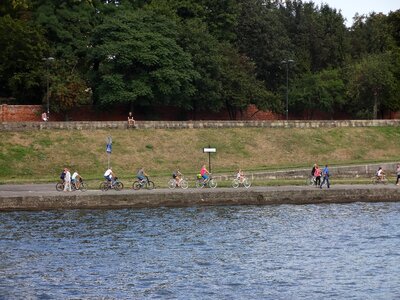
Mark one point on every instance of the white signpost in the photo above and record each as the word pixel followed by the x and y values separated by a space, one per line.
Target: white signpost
pixel 209 150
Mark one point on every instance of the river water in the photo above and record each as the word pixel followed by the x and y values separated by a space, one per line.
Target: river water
pixel 347 251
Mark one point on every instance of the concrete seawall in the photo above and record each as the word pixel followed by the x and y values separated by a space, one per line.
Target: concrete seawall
pixel 13 200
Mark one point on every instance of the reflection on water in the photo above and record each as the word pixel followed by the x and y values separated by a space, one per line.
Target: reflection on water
pixel 277 252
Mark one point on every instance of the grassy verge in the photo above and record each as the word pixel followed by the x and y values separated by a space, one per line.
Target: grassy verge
pixel 39 156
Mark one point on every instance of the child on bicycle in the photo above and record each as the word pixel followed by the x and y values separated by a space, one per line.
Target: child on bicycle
pixel 380 174
pixel 177 175
pixel 240 175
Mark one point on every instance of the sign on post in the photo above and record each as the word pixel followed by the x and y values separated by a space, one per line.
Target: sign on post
pixel 209 150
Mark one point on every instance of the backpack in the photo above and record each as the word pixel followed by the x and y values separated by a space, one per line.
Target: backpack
pixel 62 176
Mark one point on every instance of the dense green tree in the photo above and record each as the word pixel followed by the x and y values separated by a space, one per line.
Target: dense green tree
pixel 371 34
pixel 206 57
pixel 136 58
pixel 374 85
pixel 240 87
pixel 318 92
pixel 21 67
pixel 262 37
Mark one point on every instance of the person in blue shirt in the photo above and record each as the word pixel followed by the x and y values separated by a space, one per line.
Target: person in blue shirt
pixel 325 174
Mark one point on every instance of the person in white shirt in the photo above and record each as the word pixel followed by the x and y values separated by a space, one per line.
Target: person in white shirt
pixel 380 173
pixel 76 179
pixel 67 181
pixel 109 175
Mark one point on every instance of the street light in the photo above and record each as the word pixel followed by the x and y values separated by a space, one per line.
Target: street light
pixel 287 62
pixel 47 60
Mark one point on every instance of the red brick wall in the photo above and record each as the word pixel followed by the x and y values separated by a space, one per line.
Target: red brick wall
pixel 23 113
pixel 20 113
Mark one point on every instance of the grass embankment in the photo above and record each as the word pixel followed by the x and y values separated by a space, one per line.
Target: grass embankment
pixel 40 155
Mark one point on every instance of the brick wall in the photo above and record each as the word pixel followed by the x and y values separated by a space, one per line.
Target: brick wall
pixel 20 113
pixel 29 113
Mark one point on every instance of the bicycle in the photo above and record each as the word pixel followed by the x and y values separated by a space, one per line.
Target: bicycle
pixel 376 179
pixel 82 186
pixel 144 183
pixel 312 181
pixel 108 185
pixel 182 183
pixel 237 182
pixel 210 182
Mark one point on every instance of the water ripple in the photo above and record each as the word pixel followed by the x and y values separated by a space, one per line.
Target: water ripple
pixel 246 252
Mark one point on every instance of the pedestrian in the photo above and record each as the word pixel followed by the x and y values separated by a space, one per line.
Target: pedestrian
pixel 325 175
pixel 317 175
pixel 44 117
pixel 398 174
pixel 67 181
pixel 131 121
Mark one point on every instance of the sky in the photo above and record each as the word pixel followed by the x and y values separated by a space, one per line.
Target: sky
pixel 349 8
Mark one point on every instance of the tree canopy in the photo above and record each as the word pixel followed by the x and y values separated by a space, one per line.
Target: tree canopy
pixel 199 55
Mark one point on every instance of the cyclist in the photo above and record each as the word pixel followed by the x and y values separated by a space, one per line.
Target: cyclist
pixel 204 173
pixel 380 174
pixel 240 175
pixel 109 175
pixel 141 174
pixel 177 175
pixel 76 179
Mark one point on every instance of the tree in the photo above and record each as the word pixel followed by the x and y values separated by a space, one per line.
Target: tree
pixel 135 58
pixel 374 85
pixel 371 34
pixel 240 88
pixel 322 91
pixel 262 37
pixel 21 67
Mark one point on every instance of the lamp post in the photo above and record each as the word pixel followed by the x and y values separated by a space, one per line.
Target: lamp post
pixel 47 60
pixel 287 62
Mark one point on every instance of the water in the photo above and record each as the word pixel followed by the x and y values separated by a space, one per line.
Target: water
pixel 245 252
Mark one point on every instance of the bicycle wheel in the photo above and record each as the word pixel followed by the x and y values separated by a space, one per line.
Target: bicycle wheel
pixel 60 186
pixel 104 186
pixel 184 184
pixel 136 185
pixel 374 180
pixel 83 187
pixel 172 184
pixel 199 184
pixel 212 183
pixel 310 181
pixel 150 185
pixel 246 183
pixel 118 186
pixel 235 183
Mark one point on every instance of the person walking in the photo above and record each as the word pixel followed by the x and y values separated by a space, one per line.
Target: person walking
pixel 398 174
pixel 67 181
pixel 325 174
pixel 317 176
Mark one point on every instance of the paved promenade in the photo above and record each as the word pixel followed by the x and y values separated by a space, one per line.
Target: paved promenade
pixel 45 197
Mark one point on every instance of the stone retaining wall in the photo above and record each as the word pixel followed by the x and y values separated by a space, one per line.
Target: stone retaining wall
pixel 355 171
pixel 203 197
pixel 92 125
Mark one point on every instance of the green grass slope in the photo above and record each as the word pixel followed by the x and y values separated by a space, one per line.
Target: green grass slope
pixel 41 155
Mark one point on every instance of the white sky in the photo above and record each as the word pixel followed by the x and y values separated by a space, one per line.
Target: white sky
pixel 349 8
